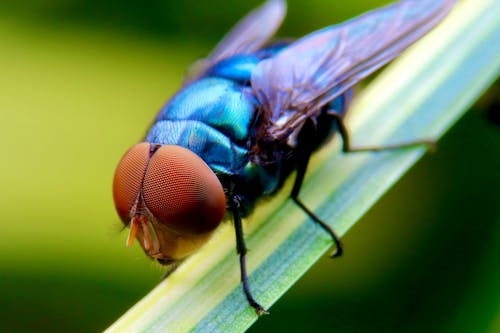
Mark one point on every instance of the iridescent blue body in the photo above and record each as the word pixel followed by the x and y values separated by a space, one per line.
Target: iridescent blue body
pixel 247 116
pixel 245 110
pixel 215 117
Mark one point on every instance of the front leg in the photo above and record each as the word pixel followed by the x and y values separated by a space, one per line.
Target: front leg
pixel 242 251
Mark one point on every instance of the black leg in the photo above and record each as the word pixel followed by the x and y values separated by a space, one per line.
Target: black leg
pixel 171 267
pixel 302 161
pixel 347 148
pixel 242 251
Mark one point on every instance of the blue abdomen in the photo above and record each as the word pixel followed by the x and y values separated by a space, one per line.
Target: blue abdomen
pixel 214 117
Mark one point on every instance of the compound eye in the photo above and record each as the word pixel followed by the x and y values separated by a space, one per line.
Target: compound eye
pixel 128 179
pixel 182 192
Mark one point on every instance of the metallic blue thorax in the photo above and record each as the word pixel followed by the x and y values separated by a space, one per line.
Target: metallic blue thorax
pixel 213 118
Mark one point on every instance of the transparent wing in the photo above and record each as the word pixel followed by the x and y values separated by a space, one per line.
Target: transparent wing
pixel 247 36
pixel 297 82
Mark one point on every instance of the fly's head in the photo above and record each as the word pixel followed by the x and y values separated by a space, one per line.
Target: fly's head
pixel 170 199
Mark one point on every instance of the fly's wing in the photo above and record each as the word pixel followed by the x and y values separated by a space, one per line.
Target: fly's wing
pixel 296 83
pixel 247 36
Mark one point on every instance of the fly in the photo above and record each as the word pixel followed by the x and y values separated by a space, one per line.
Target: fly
pixel 247 116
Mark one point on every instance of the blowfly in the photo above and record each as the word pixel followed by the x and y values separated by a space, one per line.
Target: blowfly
pixel 247 116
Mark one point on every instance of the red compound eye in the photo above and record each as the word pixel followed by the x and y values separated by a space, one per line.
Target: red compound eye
pixel 182 192
pixel 128 179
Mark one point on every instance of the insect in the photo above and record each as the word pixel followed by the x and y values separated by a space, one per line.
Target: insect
pixel 246 117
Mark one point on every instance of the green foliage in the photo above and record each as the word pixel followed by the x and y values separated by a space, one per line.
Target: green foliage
pixel 77 90
pixel 419 96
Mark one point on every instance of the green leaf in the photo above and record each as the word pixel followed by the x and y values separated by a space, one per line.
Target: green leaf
pixel 418 96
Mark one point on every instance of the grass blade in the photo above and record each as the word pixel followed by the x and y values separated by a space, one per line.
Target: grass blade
pixel 419 96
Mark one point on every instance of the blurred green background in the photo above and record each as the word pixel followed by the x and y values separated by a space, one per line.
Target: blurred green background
pixel 79 83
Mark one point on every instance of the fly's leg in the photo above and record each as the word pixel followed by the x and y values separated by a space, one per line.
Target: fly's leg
pixel 171 267
pixel 242 251
pixel 347 148
pixel 304 154
pixel 303 157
